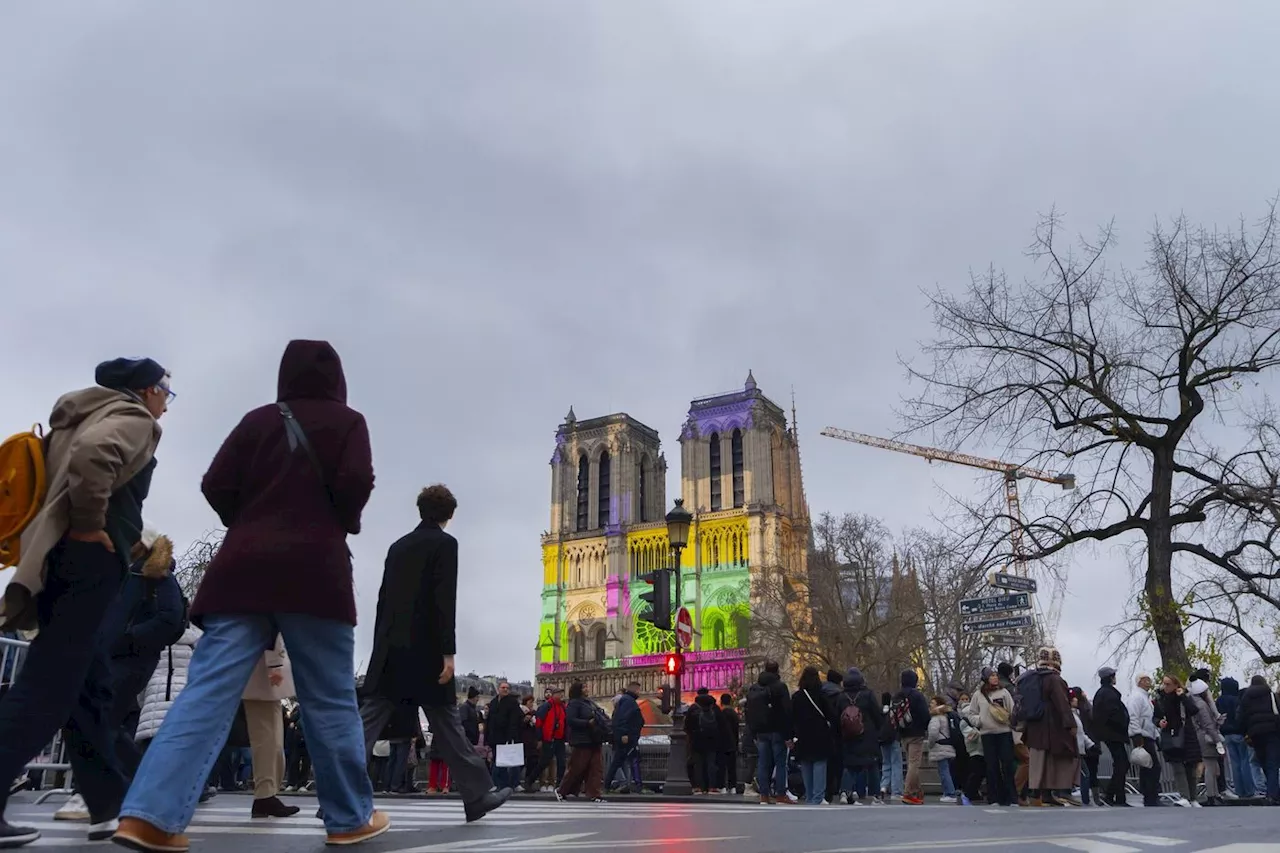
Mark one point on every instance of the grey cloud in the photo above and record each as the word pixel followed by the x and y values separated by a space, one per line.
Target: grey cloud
pixel 496 210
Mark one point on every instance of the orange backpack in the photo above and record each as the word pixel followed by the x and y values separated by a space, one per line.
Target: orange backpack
pixel 24 483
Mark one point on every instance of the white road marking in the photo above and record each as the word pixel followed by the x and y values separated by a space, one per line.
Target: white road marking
pixel 1090 845
pixel 1134 838
pixel 1243 848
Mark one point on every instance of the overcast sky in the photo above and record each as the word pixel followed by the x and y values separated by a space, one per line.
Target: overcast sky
pixel 496 210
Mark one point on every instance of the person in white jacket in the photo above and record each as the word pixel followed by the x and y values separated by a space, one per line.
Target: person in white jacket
pixel 1144 734
pixel 270 684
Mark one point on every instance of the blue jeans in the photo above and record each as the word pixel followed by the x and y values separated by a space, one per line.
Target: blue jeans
pixel 856 781
pixel 814 774
pixel 771 769
pixel 171 778
pixel 944 776
pixel 1241 768
pixel 891 768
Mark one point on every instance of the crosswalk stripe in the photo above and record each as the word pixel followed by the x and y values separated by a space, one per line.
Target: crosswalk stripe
pixel 1092 845
pixel 1149 840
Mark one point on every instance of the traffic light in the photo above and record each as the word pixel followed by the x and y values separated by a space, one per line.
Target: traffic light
pixel 658 599
pixel 675 663
pixel 664 698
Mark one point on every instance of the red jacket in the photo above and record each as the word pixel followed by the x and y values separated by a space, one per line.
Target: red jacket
pixel 552 720
pixel 286 543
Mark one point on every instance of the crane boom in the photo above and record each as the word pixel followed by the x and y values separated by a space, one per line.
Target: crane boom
pixel 1010 470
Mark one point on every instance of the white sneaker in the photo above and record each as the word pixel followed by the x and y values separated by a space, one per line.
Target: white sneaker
pixel 73 809
pixel 948 801
pixel 103 831
pixel 1230 795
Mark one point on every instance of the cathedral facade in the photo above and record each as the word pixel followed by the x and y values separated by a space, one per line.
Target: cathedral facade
pixel 739 476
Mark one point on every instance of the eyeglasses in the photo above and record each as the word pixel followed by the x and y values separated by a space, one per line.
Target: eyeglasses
pixel 168 392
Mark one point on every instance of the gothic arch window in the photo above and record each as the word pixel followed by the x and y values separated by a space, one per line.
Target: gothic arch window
pixel 739 483
pixel 717 634
pixel 716 499
pixel 742 629
pixel 579 646
pixel 584 490
pixel 603 490
pixel 643 482
pixel 600 643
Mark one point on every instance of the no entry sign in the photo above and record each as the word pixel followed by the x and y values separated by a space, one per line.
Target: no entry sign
pixel 684 628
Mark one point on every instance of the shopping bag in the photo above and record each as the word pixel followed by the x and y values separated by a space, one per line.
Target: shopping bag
pixel 510 755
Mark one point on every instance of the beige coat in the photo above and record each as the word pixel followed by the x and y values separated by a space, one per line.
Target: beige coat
pixel 99 440
pixel 259 687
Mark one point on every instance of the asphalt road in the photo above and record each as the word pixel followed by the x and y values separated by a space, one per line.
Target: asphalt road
pixel 734 826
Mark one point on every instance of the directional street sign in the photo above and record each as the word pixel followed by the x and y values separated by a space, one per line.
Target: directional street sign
pixel 995 604
pixel 1012 640
pixel 986 626
pixel 684 629
pixel 1004 580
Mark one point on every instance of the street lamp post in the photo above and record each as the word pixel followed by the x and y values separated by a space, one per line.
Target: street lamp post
pixel 677 782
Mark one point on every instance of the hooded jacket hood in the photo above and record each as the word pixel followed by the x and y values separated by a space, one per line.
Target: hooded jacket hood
pixel 705 701
pixel 311 370
pixel 854 681
pixel 910 679
pixel 75 406
pixel 767 679
pixel 1229 687
pixel 159 563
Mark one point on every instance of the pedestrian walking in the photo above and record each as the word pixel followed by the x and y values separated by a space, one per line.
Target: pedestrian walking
pixel 588 732
pixel 270 684
pixel 99 457
pixel 627 724
pixel 909 714
pixel 289 483
pixel 414 643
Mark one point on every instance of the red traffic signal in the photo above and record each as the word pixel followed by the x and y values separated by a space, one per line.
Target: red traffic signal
pixel 675 664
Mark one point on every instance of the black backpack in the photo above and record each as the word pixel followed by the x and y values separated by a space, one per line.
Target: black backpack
pixel 758 707
pixel 956 739
pixel 1028 704
pixel 708 726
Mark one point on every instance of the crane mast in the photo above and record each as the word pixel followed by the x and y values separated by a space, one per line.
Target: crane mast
pixel 1011 473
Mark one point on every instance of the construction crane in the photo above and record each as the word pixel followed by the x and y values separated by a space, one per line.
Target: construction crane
pixel 1012 474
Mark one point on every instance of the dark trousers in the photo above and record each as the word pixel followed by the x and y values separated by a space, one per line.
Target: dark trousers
pixel 585 772
pixel 468 770
pixel 623 754
pixel 552 750
pixel 975 773
pixel 1119 770
pixel 704 770
pixel 728 771
pixel 66 679
pixel 835 771
pixel 1149 777
pixel 1001 768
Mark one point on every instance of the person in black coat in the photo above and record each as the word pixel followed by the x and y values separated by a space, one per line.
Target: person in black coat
pixel 587 734
pixel 1110 719
pixel 1259 719
pixel 814 721
pixel 730 738
pixel 414 641
pixel 1176 718
pixel 505 726
pixel 860 756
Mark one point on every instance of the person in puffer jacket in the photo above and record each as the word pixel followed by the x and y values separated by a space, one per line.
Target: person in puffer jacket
pixel 941 750
pixel 166 683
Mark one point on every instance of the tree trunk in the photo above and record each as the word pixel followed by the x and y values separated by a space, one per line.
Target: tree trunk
pixel 1166 621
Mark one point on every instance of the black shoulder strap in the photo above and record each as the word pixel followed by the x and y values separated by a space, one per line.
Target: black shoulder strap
pixel 298 438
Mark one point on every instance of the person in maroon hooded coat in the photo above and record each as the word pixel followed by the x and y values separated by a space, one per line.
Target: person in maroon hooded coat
pixel 289 483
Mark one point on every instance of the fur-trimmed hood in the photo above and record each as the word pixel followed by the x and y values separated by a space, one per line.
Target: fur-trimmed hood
pixel 159 563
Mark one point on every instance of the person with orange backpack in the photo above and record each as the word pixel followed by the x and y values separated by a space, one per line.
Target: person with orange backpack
pixel 70 521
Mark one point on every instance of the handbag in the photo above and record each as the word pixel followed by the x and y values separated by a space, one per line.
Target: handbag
pixel 1173 742
pixel 297 437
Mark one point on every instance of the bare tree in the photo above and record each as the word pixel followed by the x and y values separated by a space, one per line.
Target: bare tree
pixel 193 562
pixel 945 574
pixel 1121 376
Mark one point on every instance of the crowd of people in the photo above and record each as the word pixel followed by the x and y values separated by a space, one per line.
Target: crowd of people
pixel 1025 739
pixel 290 484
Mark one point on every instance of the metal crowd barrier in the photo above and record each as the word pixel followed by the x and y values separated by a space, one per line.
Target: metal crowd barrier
pixel 52 760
